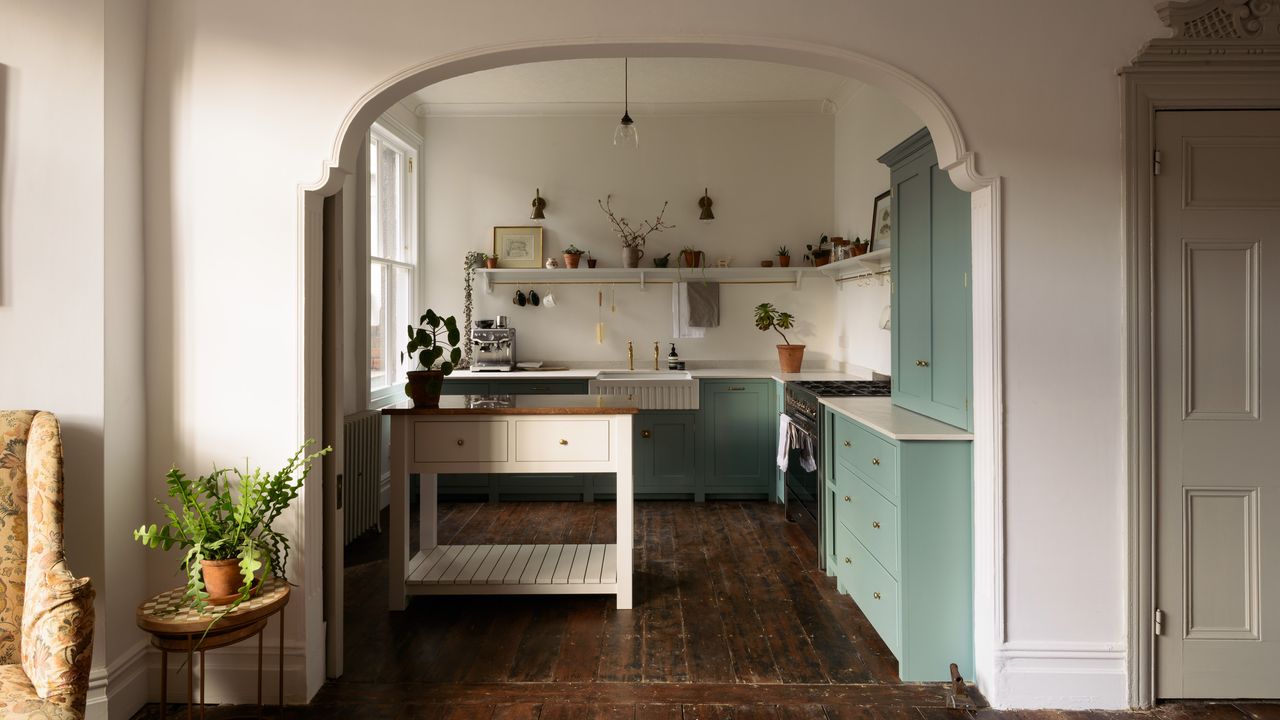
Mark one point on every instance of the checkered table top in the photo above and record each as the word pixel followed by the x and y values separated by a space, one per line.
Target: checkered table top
pixel 169 613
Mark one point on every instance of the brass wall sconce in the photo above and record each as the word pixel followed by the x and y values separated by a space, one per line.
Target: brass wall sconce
pixel 704 202
pixel 538 205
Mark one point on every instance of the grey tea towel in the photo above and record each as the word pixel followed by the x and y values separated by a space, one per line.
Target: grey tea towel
pixel 704 304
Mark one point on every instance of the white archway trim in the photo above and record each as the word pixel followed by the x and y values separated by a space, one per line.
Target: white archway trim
pixel 953 155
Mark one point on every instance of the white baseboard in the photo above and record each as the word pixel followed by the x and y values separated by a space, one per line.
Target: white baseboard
pixel 1069 676
pixel 119 689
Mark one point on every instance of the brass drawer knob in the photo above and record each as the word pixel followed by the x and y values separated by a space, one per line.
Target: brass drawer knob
pixel 875 595
pixel 847 561
pixel 461 442
pixel 875 461
pixel 922 363
pixel 848 444
pixel 848 499
pixel 646 434
pixel 875 524
pixel 563 441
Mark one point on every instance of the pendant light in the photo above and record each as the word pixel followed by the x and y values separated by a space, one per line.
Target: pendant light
pixel 625 134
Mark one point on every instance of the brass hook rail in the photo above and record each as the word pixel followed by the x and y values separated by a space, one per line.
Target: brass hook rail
pixel 863 276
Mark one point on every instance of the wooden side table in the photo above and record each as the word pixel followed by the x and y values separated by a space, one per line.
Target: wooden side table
pixel 177 627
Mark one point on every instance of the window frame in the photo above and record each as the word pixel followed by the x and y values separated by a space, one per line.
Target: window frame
pixel 409 142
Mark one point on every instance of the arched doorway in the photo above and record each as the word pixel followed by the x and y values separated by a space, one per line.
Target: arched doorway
pixel 953 156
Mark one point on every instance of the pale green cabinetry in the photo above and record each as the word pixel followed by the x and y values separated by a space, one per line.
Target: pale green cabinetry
pixel 931 297
pixel 901 542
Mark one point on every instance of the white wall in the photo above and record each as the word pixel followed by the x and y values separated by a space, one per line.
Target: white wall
pixel 868 123
pixel 245 101
pixel 769 177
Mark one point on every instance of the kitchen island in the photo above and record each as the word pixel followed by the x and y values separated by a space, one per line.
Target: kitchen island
pixel 509 434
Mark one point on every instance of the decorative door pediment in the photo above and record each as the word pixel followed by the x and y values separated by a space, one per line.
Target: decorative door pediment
pixel 1216 33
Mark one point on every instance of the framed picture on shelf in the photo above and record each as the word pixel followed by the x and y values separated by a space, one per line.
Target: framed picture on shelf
pixel 882 221
pixel 518 246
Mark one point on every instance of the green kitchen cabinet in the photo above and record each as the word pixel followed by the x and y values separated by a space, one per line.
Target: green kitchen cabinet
pixel 739 433
pixel 900 542
pixel 664 449
pixel 538 387
pixel 465 387
pixel 931 296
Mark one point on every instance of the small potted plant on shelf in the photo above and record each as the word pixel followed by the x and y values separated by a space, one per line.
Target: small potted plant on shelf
pixel 784 256
pixel 790 357
pixel 572 256
pixel 633 237
pixel 434 336
pixel 859 247
pixel 490 262
pixel 591 262
pixel 819 254
pixel 224 524
pixel 691 257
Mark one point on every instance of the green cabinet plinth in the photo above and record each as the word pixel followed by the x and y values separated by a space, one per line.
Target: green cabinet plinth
pixel 900 543
pixel 739 434
pixel 931 296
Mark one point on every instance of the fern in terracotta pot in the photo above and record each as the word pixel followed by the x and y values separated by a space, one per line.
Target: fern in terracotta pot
pixel 223 521
pixel 790 357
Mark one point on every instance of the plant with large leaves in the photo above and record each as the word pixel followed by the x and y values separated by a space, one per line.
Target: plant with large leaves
pixel 228 515
pixel 429 339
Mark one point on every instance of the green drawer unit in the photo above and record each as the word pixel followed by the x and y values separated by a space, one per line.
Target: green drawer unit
pixel 465 387
pixel 870 455
pixel 738 439
pixel 538 387
pixel 906 558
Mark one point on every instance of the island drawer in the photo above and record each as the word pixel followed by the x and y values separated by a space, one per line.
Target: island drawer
pixel 460 441
pixel 562 441
pixel 875 458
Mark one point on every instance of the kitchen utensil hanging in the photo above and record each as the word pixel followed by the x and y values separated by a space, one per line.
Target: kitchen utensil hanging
pixel 599 315
pixel 519 298
pixel 534 300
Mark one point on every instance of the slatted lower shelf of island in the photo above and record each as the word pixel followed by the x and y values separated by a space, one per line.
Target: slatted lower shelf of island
pixel 550 434
pixel 515 569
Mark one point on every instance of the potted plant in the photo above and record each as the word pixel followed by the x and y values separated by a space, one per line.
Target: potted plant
pixel 490 261
pixel 224 524
pixel 591 262
pixel 572 255
pixel 632 237
pixel 859 247
pixel 784 256
pixel 790 357
pixel 430 340
pixel 819 254
pixel 691 257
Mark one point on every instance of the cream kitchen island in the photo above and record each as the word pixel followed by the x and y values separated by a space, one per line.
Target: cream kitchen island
pixel 509 434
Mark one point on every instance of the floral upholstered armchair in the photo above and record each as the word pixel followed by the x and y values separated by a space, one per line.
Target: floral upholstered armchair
pixel 46 613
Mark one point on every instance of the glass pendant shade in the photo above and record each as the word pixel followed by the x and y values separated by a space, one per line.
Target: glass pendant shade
pixel 625 134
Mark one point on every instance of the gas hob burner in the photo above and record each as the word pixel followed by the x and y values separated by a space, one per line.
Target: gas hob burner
pixel 844 388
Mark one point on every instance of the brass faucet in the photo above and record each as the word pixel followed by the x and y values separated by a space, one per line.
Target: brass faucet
pixel 655 354
pixel 631 356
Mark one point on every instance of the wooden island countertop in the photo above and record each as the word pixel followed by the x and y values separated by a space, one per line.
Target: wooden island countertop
pixel 523 405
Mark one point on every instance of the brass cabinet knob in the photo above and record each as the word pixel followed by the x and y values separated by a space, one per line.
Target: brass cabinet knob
pixel 847 498
pixel 646 434
pixel 922 363
pixel 847 561
pixel 848 444
pixel 563 441
pixel 875 461
pixel 875 595
pixel 875 524
pixel 461 442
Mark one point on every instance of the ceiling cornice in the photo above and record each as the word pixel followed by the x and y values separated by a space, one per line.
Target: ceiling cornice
pixel 612 109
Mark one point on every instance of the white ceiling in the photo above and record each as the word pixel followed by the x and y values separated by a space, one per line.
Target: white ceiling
pixel 684 82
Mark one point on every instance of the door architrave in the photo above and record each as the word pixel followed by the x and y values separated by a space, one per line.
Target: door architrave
pixel 1237 69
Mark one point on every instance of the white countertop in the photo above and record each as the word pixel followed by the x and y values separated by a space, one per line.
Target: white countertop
pixel 881 415
pixel 702 373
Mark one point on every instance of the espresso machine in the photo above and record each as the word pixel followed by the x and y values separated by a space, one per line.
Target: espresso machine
pixel 493 346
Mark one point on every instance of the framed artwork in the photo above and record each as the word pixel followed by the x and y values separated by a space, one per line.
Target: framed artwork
pixel 882 221
pixel 518 246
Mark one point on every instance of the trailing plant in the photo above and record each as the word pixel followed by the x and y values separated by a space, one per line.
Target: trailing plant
pixel 633 236
pixel 227 515
pixel 783 251
pixel 435 336
pixel 770 318
pixel 473 260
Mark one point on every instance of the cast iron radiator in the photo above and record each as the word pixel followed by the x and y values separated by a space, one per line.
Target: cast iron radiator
pixel 362 472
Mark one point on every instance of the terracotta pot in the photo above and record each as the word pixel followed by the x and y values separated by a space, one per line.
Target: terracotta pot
pixel 859 249
pixel 784 261
pixel 820 260
pixel 766 263
pixel 571 261
pixel 692 258
pixel 423 388
pixel 222 579
pixel 491 263
pixel 790 358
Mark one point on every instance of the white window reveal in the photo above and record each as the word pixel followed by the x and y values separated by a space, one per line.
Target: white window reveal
pixel 393 257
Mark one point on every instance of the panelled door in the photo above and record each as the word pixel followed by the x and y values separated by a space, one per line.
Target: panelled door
pixel 1216 244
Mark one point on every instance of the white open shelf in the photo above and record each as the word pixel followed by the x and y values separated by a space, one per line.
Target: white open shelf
pixel 745 275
